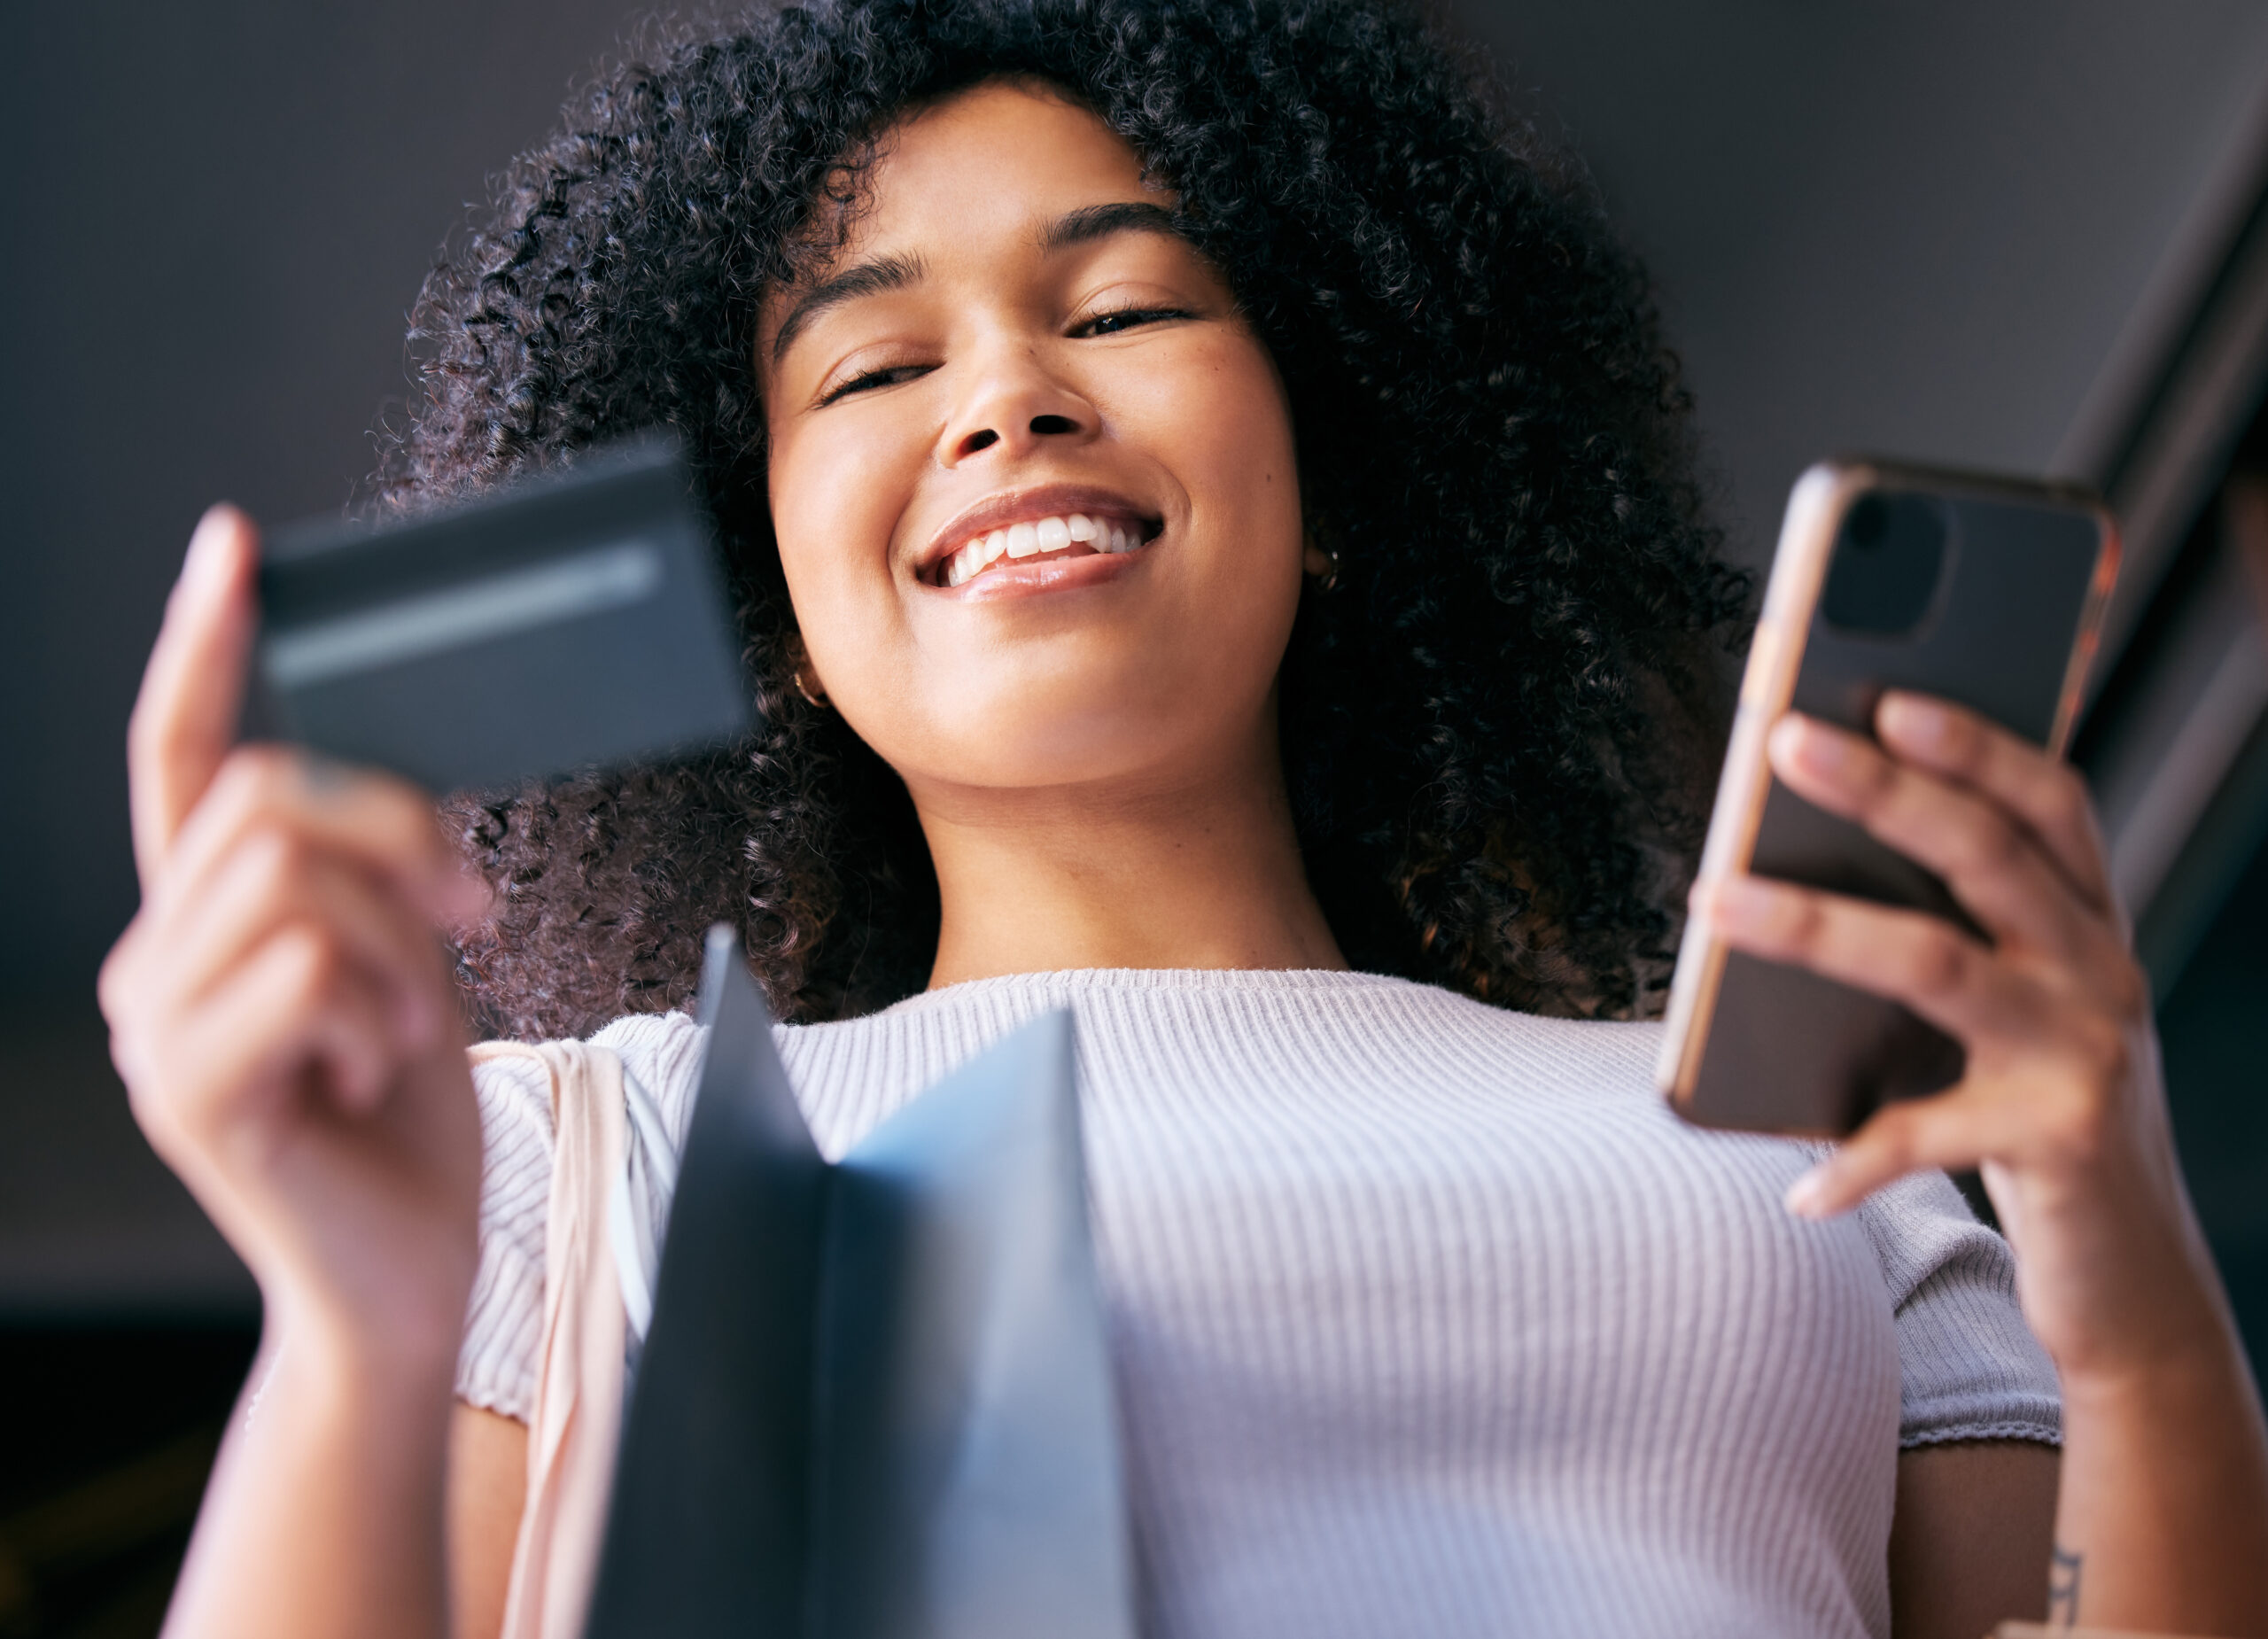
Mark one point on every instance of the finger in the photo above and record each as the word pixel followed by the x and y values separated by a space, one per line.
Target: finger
pixel 185 717
pixel 1990 858
pixel 383 825
pixel 273 880
pixel 1950 1132
pixel 2044 791
pixel 358 1060
pixel 290 1015
pixel 1921 960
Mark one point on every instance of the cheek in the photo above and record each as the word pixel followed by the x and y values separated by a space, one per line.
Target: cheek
pixel 835 502
pixel 1225 428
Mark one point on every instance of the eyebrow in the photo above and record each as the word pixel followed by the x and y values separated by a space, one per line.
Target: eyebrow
pixel 885 274
pixel 867 278
pixel 1100 222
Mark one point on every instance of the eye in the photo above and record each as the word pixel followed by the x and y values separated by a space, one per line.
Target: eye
pixel 1125 318
pixel 890 376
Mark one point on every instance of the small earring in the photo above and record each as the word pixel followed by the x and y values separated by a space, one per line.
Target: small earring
pixel 1328 580
pixel 799 668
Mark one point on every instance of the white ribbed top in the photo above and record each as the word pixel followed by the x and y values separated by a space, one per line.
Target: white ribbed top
pixel 1428 1317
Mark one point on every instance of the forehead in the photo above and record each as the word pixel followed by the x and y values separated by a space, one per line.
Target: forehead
pixel 992 163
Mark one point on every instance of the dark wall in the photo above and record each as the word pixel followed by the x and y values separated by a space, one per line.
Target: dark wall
pixel 2213 1065
pixel 216 216
pixel 1934 229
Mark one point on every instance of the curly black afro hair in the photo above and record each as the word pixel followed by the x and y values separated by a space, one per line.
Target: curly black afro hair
pixel 1497 727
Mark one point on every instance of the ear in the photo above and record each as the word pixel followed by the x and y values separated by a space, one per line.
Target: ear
pixel 1313 558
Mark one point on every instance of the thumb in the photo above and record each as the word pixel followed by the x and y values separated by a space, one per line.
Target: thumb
pixel 184 718
pixel 1949 1130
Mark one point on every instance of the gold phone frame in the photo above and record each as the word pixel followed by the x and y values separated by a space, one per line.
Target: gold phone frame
pixel 1808 532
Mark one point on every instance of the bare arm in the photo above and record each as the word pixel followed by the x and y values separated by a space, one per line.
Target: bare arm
pixel 487 1488
pixel 323 1512
pixel 282 1014
pixel 2162 1517
pixel 1972 1528
pixel 2164 1492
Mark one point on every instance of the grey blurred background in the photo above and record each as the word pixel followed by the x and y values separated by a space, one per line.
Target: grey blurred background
pixel 2016 235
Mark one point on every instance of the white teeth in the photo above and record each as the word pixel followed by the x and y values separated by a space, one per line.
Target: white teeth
pixel 1029 539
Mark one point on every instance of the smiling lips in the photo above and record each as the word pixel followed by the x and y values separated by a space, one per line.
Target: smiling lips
pixel 1071 534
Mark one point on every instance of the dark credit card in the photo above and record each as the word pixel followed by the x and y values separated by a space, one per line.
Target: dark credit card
pixel 572 621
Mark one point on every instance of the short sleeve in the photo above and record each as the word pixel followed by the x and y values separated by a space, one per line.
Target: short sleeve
pixel 1968 1366
pixel 503 1332
pixel 661 1056
pixel 502 1352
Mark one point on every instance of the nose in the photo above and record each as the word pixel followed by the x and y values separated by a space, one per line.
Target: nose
pixel 1014 406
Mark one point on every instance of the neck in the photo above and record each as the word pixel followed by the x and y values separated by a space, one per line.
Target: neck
pixel 1201 871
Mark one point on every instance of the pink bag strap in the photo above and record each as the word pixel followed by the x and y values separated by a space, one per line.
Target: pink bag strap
pixel 577 1416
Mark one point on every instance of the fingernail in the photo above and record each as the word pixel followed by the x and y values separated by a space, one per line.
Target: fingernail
pixel 1819 748
pixel 207 560
pixel 1915 721
pixel 1738 904
pixel 1801 743
pixel 1806 1197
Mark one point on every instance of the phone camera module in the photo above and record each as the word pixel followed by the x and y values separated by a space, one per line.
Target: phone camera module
pixel 1888 560
pixel 1869 520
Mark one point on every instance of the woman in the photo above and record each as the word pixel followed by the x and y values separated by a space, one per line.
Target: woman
pixel 1217 551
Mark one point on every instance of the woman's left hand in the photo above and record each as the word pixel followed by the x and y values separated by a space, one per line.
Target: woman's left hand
pixel 2062 1107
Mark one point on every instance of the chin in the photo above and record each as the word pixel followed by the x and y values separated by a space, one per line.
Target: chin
pixel 1024 743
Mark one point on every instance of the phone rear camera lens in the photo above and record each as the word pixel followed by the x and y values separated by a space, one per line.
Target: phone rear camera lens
pixel 1888 560
pixel 1869 520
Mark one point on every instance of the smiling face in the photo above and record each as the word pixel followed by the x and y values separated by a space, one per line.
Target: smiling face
pixel 1032 472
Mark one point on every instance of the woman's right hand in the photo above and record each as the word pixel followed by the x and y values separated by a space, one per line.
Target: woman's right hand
pixel 281 1007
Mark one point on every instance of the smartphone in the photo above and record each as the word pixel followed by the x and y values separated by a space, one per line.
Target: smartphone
pixel 1985 591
